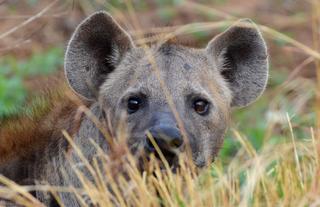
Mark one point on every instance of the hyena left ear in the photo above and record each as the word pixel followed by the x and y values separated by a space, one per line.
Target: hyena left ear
pixel 96 48
pixel 240 54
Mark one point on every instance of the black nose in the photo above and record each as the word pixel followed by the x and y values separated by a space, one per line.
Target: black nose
pixel 168 138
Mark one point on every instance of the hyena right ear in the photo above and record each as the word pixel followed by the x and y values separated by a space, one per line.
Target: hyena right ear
pixel 240 54
pixel 95 49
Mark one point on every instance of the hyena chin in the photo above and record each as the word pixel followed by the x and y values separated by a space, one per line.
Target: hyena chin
pixel 179 96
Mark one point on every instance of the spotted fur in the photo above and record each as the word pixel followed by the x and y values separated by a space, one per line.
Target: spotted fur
pixel 104 67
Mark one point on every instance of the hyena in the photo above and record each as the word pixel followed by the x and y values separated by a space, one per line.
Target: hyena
pixel 178 95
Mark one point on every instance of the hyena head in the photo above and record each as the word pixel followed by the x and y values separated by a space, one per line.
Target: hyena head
pixel 181 96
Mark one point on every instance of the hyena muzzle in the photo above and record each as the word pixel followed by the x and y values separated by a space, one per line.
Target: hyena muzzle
pixel 180 96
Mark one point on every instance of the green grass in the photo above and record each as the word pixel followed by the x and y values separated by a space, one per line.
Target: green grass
pixel 13 73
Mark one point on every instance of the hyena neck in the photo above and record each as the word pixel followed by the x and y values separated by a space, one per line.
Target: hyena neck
pixel 89 135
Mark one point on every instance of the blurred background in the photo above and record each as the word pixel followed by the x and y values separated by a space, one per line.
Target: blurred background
pixel 34 34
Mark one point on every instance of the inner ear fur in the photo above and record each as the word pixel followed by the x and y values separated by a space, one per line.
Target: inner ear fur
pixel 95 49
pixel 240 54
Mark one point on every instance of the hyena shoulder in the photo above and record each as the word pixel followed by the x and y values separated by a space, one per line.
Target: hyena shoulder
pixel 51 110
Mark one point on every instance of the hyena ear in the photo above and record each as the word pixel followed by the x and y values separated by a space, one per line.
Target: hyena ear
pixel 95 49
pixel 240 54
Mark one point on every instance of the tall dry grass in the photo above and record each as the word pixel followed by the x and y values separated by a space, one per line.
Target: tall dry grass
pixel 279 174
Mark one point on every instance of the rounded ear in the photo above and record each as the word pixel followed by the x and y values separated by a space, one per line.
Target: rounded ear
pixel 95 49
pixel 240 54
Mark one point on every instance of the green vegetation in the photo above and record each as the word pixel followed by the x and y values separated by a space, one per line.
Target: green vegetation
pixel 13 73
pixel 270 156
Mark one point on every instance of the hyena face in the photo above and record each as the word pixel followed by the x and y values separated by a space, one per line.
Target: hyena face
pixel 157 76
pixel 181 96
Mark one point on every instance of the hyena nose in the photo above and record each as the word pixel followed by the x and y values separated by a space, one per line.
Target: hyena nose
pixel 168 138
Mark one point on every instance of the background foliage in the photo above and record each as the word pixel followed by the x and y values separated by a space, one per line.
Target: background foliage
pixel 286 112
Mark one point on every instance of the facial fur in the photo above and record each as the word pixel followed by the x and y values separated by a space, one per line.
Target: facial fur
pixel 186 75
pixel 173 91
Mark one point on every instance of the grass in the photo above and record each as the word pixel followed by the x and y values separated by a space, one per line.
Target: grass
pixel 13 74
pixel 270 156
pixel 282 174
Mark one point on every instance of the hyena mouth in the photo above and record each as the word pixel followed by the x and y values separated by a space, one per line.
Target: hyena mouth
pixel 166 140
pixel 170 156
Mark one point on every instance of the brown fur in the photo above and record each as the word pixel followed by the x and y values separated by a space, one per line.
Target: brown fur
pixel 24 134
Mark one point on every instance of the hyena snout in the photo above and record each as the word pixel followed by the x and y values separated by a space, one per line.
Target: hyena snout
pixel 167 137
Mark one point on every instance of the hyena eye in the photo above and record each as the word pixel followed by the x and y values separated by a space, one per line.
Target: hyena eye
pixel 134 104
pixel 201 106
pixel 104 114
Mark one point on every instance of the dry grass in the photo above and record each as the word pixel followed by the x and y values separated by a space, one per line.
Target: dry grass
pixel 281 174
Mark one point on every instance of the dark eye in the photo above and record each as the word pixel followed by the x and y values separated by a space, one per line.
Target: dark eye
pixel 104 114
pixel 201 106
pixel 134 104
